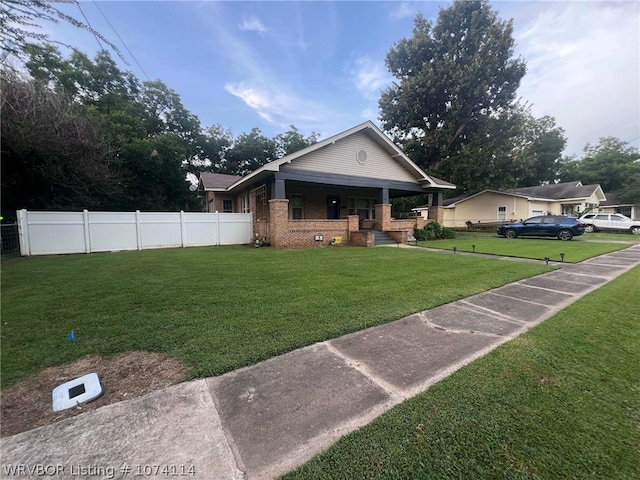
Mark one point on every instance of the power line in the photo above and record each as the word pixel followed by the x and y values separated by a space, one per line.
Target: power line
pixel 122 41
pixel 89 25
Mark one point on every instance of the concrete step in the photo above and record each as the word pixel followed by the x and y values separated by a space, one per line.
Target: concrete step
pixel 382 238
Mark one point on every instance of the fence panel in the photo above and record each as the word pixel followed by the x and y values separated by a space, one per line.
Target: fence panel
pixel 234 229
pixel 109 231
pixel 202 229
pixel 49 233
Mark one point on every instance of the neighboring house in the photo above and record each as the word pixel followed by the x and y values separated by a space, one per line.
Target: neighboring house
pixel 613 205
pixel 337 189
pixel 494 206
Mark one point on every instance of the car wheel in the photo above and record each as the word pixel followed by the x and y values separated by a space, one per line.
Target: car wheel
pixel 510 233
pixel 635 230
pixel 565 235
pixel 589 228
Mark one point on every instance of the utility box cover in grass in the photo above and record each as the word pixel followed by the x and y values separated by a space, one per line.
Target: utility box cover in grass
pixel 80 390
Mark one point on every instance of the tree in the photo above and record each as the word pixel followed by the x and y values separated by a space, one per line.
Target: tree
pixel 292 141
pixel 537 150
pixel 612 163
pixel 151 136
pixel 54 154
pixel 456 80
pixel 21 24
pixel 250 151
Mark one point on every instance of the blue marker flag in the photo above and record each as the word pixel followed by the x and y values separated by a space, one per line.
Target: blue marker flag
pixel 72 335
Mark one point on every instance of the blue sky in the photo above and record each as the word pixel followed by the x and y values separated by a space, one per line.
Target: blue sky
pixel 320 65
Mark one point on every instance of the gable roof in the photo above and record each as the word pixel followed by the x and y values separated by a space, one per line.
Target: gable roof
pixel 452 202
pixel 216 182
pixel 560 191
pixel 373 132
pixel 613 201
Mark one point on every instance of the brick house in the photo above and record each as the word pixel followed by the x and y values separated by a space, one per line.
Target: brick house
pixel 335 191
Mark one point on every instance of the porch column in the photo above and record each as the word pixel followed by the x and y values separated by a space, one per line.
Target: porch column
pixel 278 222
pixel 278 188
pixel 383 196
pixel 436 211
pixel 383 217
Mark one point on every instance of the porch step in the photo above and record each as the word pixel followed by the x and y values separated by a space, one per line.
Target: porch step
pixel 382 238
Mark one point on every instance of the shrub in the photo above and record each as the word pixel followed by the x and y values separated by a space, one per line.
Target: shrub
pixel 433 231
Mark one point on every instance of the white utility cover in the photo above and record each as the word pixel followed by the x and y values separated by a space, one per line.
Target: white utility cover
pixel 80 390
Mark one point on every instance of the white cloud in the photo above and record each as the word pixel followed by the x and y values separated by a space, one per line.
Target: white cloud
pixel 275 104
pixel 370 77
pixel 583 63
pixel 403 10
pixel 252 24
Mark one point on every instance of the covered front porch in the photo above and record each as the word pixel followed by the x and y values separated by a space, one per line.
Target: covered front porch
pixel 338 211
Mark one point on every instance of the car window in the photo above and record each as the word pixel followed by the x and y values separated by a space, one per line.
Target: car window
pixel 617 218
pixel 550 220
pixel 591 215
pixel 534 220
pixel 602 217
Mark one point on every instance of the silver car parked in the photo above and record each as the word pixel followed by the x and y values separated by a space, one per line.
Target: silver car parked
pixel 610 221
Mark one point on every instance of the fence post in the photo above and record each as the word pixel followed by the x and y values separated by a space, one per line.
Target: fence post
pixel 23 233
pixel 183 233
pixel 87 237
pixel 217 228
pixel 138 231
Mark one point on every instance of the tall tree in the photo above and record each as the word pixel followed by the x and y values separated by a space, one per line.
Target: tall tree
pixel 55 155
pixel 537 150
pixel 292 141
pixel 612 163
pixel 250 151
pixel 455 81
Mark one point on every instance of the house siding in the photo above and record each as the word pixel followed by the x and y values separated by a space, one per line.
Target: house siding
pixel 340 158
pixel 484 209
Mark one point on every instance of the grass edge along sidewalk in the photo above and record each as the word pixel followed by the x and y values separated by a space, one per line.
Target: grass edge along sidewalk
pixel 560 401
pixel 534 248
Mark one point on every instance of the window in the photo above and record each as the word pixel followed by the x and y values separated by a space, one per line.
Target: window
pixel 536 212
pixel 227 206
pixel 245 204
pixel 363 207
pixel 602 217
pixel 502 214
pixel 296 207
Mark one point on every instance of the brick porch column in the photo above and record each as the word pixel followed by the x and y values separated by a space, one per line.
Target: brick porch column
pixel 436 213
pixel 383 217
pixel 278 222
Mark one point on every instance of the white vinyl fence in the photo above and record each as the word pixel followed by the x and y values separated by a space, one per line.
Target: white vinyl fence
pixel 50 233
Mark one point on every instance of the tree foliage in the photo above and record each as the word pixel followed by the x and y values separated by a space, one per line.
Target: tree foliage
pixel 457 81
pixel 82 133
pixel 21 24
pixel 54 153
pixel 612 163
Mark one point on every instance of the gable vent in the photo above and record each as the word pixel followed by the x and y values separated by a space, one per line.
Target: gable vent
pixel 362 156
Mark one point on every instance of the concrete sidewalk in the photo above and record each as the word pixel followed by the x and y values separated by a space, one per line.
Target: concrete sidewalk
pixel 262 421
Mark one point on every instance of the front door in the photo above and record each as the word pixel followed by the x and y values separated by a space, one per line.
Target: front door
pixel 333 207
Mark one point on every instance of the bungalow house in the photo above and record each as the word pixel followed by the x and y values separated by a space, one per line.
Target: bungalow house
pixel 494 206
pixel 335 191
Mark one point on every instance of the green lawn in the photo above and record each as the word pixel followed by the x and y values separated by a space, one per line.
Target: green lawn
pixel 575 250
pixel 221 308
pixel 561 401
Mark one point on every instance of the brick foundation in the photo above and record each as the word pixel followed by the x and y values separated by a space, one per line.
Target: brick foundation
pixel 363 239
